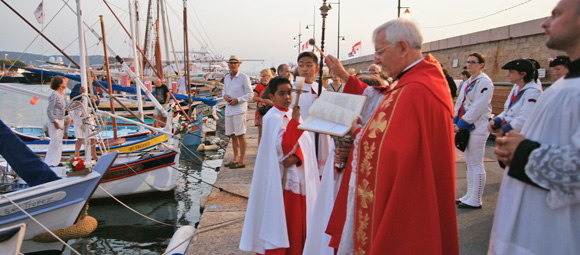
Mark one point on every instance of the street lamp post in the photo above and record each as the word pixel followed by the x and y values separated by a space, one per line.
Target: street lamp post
pixel 399 7
pixel 323 12
pixel 338 41
pixel 299 37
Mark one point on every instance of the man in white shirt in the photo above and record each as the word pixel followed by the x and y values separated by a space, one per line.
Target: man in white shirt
pixel 237 92
pixel 538 209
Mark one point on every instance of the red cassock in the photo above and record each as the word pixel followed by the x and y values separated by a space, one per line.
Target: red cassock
pixel 405 180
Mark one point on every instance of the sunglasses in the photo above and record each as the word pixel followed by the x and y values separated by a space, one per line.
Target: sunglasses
pixel 471 62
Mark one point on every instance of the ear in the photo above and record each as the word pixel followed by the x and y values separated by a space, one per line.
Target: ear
pixel 317 68
pixel 404 48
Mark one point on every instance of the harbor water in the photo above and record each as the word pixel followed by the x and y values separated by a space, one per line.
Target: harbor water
pixel 120 230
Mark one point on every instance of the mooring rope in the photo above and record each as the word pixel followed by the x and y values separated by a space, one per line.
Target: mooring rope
pixel 133 210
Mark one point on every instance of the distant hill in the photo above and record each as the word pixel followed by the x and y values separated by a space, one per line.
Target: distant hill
pixel 36 59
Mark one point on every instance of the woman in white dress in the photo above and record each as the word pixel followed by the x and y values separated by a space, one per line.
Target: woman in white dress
pixel 56 109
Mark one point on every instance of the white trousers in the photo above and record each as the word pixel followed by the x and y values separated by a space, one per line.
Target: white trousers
pixel 475 169
pixel 54 151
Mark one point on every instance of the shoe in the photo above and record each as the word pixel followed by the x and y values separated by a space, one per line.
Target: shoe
pixel 466 206
pixel 458 201
pixel 230 164
pixel 236 166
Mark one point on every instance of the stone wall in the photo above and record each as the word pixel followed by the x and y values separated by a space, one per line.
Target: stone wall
pixel 498 45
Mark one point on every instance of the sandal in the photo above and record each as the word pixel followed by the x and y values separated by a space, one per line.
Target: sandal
pixel 236 166
pixel 230 164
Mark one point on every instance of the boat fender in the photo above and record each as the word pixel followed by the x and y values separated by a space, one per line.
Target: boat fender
pixel 180 240
pixel 82 228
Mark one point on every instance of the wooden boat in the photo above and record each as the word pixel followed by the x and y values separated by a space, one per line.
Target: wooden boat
pixel 37 135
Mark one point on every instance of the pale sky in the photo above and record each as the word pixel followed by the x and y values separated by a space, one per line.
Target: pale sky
pixel 261 29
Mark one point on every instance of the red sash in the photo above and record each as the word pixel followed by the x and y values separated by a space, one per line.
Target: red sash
pixel 468 88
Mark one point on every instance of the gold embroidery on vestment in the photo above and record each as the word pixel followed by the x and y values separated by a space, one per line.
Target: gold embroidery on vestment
pixel 366 194
pixel 366 167
pixel 377 125
pixel 363 224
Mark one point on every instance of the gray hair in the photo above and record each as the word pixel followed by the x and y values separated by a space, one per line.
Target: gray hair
pixel 401 29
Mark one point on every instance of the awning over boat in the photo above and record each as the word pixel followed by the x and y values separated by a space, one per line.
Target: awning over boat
pixel 24 162
pixel 120 88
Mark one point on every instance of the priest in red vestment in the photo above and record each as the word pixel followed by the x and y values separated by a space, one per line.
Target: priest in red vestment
pixel 403 159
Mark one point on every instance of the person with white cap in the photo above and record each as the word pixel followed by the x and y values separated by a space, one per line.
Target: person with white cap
pixel 237 92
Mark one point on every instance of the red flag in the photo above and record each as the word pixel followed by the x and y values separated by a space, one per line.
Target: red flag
pixel 355 49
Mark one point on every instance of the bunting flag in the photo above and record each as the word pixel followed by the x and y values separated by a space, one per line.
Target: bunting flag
pixel 39 13
pixel 305 46
pixel 355 50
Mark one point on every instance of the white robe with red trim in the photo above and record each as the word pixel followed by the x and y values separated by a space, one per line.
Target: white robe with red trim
pixel 265 223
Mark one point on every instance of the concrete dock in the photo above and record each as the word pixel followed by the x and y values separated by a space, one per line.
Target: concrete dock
pixel 221 224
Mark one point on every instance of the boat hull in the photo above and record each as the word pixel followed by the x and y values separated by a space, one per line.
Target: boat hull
pixel 55 204
pixel 155 172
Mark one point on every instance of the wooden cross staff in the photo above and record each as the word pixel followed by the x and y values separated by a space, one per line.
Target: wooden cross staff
pixel 298 90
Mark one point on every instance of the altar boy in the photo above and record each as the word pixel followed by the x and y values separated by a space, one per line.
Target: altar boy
pixel 308 68
pixel 279 211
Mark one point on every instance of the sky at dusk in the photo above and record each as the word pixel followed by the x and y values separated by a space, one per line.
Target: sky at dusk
pixel 259 29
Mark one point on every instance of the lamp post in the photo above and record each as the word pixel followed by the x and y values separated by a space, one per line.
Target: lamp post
pixel 299 37
pixel 313 30
pixel 399 7
pixel 337 41
pixel 323 12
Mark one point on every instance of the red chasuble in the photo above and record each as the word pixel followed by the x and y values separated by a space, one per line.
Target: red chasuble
pixel 405 181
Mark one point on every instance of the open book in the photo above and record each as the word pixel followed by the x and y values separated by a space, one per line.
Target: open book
pixel 333 113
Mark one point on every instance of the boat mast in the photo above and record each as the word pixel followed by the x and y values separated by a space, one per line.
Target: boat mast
pixel 186 46
pixel 165 22
pixel 136 61
pixel 148 27
pixel 83 68
pixel 107 68
pixel 158 55
pixel 138 36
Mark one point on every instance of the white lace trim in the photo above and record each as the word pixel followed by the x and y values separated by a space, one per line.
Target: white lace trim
pixel 558 170
pixel 346 241
pixel 295 181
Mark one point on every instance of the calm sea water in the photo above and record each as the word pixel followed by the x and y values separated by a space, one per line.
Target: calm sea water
pixel 121 231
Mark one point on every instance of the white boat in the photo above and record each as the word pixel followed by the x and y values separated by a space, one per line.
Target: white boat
pixel 137 174
pixel 54 204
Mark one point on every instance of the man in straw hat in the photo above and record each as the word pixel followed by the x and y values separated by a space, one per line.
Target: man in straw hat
pixel 237 91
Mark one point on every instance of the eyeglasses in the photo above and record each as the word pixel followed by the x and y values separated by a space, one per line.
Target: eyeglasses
pixel 471 62
pixel 379 54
